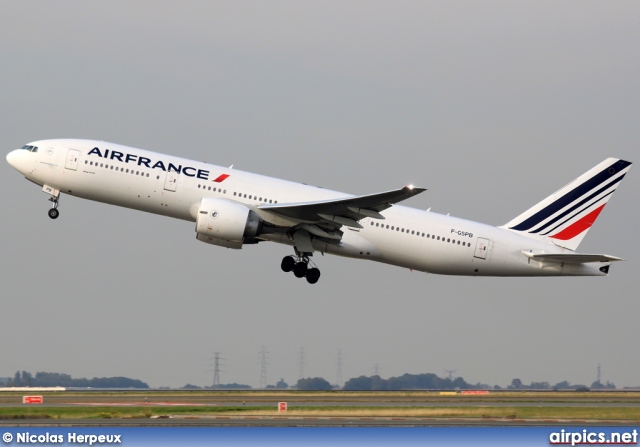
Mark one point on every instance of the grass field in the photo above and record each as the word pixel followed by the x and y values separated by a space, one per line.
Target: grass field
pixel 610 406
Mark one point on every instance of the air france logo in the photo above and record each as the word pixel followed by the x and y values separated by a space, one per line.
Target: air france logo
pixel 214 214
pixel 138 160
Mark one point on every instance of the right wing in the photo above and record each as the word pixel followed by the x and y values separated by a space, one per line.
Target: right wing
pixel 324 218
pixel 347 211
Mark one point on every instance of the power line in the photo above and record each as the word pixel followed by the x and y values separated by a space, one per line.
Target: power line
pixel 301 362
pixel 216 369
pixel 339 372
pixel 451 372
pixel 264 361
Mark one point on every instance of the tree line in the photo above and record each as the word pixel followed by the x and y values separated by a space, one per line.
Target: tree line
pixel 516 384
pixel 426 381
pixel 48 379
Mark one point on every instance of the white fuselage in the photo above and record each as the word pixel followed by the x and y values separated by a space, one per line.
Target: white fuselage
pixel 172 186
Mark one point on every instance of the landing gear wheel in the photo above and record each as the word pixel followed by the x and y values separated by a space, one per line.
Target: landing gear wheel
pixel 288 263
pixel 301 266
pixel 300 269
pixel 54 213
pixel 313 275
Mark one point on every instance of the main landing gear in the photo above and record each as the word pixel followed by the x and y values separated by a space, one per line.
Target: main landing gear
pixel 53 211
pixel 300 267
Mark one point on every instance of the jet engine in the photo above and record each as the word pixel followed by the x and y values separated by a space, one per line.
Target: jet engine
pixel 226 223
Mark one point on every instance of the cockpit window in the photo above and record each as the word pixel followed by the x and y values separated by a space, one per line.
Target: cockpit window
pixel 30 148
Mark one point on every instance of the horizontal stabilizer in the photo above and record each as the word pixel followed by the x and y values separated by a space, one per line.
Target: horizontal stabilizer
pixel 570 258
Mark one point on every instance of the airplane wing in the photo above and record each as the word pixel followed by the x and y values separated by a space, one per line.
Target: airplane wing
pixel 344 211
pixel 571 258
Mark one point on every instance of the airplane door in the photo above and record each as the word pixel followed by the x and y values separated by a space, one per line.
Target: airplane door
pixel 72 159
pixel 171 181
pixel 482 246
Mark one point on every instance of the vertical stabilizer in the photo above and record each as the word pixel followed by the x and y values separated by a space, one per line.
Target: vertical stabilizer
pixel 566 215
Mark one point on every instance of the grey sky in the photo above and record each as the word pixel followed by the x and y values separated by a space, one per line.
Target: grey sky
pixel 490 105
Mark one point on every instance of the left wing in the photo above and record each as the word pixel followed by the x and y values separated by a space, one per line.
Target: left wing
pixel 347 211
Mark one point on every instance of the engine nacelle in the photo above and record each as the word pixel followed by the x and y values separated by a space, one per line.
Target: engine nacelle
pixel 226 223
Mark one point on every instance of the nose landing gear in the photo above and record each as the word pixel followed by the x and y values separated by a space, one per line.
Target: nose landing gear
pixel 300 267
pixel 53 211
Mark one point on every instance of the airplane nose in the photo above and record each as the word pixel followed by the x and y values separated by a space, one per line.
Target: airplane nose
pixel 18 160
pixel 12 158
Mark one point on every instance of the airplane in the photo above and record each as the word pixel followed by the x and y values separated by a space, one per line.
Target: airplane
pixel 232 208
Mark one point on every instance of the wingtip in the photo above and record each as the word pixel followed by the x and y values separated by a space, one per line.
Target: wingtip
pixel 415 189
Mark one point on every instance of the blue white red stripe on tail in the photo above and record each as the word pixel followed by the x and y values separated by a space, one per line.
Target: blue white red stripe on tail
pixel 566 215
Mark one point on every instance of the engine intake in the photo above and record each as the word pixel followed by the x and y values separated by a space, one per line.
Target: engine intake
pixel 226 223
